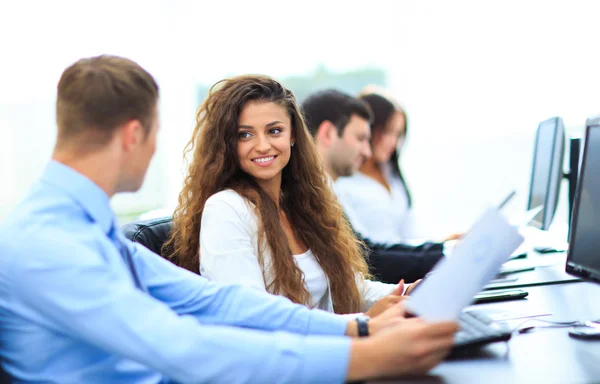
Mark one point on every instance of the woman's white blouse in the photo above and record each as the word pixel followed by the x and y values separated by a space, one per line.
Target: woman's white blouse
pixel 229 253
pixel 379 215
pixel 314 277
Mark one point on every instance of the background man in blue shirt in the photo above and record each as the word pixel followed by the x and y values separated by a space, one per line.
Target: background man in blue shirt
pixel 80 303
pixel 341 127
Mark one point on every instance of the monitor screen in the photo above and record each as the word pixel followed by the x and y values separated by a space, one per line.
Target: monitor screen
pixel 546 172
pixel 584 245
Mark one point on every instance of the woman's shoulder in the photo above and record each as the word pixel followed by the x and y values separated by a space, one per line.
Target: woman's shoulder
pixel 229 197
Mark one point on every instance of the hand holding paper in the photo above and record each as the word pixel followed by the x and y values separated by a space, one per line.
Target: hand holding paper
pixel 476 260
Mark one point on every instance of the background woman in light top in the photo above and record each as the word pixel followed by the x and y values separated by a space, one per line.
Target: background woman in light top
pixel 256 208
pixel 377 199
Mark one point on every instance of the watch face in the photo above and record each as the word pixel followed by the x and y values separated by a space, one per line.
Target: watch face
pixel 363 326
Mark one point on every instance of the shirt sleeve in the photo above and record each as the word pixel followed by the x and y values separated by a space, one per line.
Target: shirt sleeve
pixel 189 294
pixel 85 295
pixel 228 242
pixel 390 263
pixel 409 228
pixel 347 202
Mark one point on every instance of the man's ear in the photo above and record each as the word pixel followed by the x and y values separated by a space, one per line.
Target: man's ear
pixel 132 134
pixel 327 133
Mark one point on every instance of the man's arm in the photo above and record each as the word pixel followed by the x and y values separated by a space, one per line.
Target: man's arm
pixel 84 297
pixel 410 348
pixel 391 263
pixel 212 303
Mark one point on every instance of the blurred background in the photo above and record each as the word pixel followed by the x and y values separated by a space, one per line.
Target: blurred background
pixel 474 77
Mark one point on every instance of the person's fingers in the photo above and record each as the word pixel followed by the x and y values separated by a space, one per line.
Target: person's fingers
pixel 412 287
pixel 399 289
pixel 438 344
pixel 422 348
pixel 392 309
pixel 441 329
pixel 430 361
pixel 394 299
pixel 414 322
pixel 454 236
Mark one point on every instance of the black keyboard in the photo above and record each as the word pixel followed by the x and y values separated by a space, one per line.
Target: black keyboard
pixel 476 330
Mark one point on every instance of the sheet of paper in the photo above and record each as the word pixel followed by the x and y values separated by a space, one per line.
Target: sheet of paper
pixel 475 261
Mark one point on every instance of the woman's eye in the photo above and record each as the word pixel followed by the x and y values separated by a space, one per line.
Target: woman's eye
pixel 275 131
pixel 244 135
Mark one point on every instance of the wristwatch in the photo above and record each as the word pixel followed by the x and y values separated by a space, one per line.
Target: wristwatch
pixel 363 325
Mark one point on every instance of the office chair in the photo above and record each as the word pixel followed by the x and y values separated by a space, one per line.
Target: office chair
pixel 4 378
pixel 152 234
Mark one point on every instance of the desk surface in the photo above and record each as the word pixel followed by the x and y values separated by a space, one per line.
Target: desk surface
pixel 545 355
pixel 549 269
pixel 553 274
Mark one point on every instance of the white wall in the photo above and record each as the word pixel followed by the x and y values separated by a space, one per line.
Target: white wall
pixel 40 39
pixel 182 43
pixel 475 77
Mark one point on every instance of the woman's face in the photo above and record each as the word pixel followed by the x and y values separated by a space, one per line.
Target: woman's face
pixel 385 142
pixel 264 139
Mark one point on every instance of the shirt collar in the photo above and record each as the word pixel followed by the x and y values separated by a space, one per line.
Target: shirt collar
pixel 83 190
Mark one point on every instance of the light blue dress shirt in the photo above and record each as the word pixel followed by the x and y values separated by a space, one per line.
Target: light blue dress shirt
pixel 70 311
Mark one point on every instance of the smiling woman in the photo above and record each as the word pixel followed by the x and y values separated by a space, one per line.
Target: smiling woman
pixel 265 140
pixel 256 208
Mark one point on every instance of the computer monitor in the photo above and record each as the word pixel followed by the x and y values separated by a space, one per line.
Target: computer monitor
pixel 547 173
pixel 583 257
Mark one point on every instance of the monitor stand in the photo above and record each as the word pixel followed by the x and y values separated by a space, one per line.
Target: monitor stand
pixel 572 175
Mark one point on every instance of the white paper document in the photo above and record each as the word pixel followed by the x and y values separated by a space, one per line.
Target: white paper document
pixel 475 261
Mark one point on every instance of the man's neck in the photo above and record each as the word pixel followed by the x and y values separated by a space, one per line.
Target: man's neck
pixel 323 155
pixel 370 166
pixel 98 167
pixel 332 175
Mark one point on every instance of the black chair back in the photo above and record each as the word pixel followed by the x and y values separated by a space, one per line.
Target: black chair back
pixel 4 378
pixel 152 234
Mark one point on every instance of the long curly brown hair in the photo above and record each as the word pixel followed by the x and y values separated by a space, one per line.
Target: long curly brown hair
pixel 306 198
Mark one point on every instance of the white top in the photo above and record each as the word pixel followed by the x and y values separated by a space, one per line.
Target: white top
pixel 376 213
pixel 314 276
pixel 228 253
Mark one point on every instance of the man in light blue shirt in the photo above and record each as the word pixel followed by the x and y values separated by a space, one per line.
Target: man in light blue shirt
pixel 79 303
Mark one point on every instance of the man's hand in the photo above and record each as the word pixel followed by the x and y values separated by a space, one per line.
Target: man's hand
pixel 383 304
pixel 411 348
pixel 386 302
pixel 412 287
pixel 454 236
pixel 393 315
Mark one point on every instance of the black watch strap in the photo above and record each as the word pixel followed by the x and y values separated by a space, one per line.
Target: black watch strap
pixel 363 326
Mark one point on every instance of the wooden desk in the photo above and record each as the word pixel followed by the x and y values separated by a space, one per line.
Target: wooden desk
pixel 545 355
